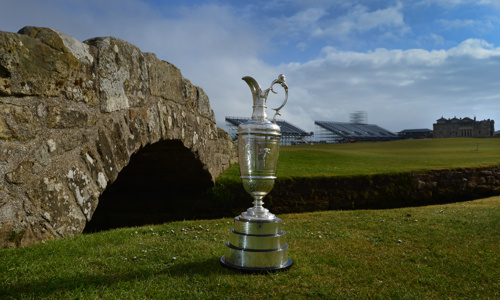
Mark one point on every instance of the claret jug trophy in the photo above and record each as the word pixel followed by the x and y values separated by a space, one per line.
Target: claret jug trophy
pixel 257 243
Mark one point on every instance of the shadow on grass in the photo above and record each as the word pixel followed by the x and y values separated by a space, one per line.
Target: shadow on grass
pixel 54 285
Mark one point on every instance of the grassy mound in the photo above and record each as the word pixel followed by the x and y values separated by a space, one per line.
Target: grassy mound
pixel 433 252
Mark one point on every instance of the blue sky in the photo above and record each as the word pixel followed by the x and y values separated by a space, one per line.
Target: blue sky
pixel 406 63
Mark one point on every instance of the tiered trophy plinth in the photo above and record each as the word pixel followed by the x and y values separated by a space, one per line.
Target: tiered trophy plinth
pixel 256 245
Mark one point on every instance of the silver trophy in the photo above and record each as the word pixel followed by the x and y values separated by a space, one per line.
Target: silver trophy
pixel 256 242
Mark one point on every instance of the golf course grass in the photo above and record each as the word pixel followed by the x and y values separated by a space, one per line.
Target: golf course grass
pixel 449 251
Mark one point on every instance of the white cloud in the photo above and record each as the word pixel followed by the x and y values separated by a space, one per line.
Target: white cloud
pixel 383 57
pixel 335 20
pixel 360 19
pixel 475 48
pixel 455 3
pixel 457 23
pixel 303 20
pixel 494 3
pixel 388 17
pixel 214 47
pixel 401 89
pixel 460 24
pixel 432 38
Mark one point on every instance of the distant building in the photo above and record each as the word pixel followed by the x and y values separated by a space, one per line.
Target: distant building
pixel 339 132
pixel 290 134
pixel 416 133
pixel 466 127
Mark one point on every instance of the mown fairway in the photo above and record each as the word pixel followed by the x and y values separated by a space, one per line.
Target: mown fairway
pixel 385 157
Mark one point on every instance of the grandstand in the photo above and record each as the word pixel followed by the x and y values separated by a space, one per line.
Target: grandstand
pixel 338 132
pixel 290 134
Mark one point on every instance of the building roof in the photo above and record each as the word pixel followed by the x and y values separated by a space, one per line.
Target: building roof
pixel 416 130
pixel 287 128
pixel 442 120
pixel 357 131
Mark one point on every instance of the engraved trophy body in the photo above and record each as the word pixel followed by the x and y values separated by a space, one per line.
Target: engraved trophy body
pixel 257 242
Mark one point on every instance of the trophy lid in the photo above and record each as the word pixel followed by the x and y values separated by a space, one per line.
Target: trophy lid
pixel 259 124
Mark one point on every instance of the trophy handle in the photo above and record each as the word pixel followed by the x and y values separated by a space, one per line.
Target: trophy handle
pixel 281 80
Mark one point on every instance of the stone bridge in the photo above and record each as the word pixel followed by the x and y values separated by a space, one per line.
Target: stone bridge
pixel 81 118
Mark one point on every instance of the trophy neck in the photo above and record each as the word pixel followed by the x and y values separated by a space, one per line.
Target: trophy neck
pixel 259 109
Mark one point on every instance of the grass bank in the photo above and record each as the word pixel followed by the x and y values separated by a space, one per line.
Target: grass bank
pixel 433 252
pixel 369 175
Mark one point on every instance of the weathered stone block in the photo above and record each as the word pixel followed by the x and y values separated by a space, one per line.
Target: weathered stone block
pixel 165 79
pixel 45 62
pixel 16 122
pixel 60 118
pixel 123 74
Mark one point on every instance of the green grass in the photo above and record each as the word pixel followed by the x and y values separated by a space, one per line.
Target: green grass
pixel 387 157
pixel 435 252
pixel 384 157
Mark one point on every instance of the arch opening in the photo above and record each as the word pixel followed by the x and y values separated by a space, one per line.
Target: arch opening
pixel 162 182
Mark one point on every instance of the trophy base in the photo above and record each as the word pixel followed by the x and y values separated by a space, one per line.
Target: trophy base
pixel 250 215
pixel 287 265
pixel 256 245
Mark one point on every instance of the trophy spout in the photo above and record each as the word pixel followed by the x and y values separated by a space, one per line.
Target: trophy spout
pixel 254 87
pixel 259 99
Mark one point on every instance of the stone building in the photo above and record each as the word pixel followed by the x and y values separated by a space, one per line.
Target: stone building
pixel 422 133
pixel 466 127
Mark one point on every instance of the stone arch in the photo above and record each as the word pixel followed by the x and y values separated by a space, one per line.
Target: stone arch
pixel 73 114
pixel 162 182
